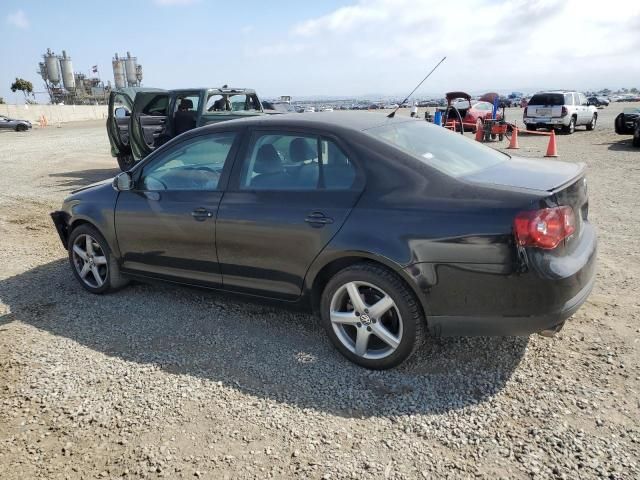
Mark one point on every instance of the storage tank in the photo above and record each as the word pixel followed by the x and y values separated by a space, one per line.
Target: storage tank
pixel 53 70
pixel 118 72
pixel 66 66
pixel 139 74
pixel 130 67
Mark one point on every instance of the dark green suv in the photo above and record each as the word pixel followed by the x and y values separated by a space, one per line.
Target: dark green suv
pixel 141 119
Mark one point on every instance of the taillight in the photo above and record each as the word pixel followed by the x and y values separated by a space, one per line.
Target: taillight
pixel 565 112
pixel 525 111
pixel 544 228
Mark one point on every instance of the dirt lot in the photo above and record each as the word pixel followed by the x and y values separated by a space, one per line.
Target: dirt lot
pixel 161 381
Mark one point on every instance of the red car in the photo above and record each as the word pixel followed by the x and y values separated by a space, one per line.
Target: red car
pixel 478 110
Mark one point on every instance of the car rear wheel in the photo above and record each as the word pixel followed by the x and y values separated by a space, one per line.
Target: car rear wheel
pixel 531 128
pixel 636 136
pixel 21 128
pixel 91 261
pixel 592 124
pixel 371 316
pixel 569 129
pixel 126 162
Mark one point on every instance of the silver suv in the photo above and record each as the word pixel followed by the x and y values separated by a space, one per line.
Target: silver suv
pixel 564 109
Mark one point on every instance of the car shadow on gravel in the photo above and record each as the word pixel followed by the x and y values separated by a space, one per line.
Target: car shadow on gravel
pixel 259 350
pixel 81 178
pixel 625 145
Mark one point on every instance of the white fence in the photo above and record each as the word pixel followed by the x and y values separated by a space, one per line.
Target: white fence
pixel 55 113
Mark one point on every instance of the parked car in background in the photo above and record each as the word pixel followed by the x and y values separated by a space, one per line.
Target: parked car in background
pixel 628 123
pixel 386 227
pixel 141 119
pixel 483 110
pixel 562 109
pixel 599 101
pixel 14 124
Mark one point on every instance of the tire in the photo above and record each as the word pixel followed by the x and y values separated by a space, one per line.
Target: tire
pixel 402 322
pixel 636 137
pixel 592 124
pixel 569 129
pixel 21 128
pixel 126 162
pixel 107 268
pixel 531 128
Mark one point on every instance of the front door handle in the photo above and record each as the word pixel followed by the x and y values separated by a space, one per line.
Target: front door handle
pixel 318 219
pixel 201 214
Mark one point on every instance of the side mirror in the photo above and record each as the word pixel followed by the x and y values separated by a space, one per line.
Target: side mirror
pixel 120 112
pixel 122 182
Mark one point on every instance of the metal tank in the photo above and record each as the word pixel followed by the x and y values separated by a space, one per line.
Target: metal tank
pixel 139 74
pixel 118 72
pixel 68 80
pixel 130 67
pixel 53 69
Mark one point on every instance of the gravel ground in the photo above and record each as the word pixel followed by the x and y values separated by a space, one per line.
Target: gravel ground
pixel 161 381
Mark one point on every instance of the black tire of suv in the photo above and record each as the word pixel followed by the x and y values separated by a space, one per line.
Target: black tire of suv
pixel 126 162
pixel 21 128
pixel 531 128
pixel 568 130
pixel 413 320
pixel 592 125
pixel 636 136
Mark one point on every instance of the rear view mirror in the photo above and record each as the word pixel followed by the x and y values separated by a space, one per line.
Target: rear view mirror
pixel 123 182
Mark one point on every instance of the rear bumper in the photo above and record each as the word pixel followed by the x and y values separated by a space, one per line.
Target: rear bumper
pixel 489 299
pixel 448 326
pixel 543 122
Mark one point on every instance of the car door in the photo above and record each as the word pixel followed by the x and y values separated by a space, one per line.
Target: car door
pixel 585 111
pixel 289 194
pixel 165 226
pixel 118 120
pixel 147 129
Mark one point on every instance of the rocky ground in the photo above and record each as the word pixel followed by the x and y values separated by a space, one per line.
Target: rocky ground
pixel 161 381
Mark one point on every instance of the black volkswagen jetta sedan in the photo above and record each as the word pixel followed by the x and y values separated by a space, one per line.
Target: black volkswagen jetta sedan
pixel 387 227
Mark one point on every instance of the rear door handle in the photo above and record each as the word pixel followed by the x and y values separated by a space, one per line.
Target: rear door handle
pixel 318 219
pixel 201 214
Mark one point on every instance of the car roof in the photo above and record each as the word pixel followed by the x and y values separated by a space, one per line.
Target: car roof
pixel 354 120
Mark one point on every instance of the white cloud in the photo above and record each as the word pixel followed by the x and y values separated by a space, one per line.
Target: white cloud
pixel 18 19
pixel 489 43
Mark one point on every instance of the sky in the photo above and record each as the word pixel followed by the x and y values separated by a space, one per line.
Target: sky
pixel 332 47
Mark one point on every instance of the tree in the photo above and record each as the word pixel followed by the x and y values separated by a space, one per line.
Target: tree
pixel 25 86
pixel 1 101
pixel 634 90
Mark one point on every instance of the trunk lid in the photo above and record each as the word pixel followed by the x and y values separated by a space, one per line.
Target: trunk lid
pixel 546 105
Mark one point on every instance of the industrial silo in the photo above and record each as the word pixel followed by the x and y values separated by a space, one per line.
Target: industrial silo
pixel 118 72
pixel 130 67
pixel 53 69
pixel 66 66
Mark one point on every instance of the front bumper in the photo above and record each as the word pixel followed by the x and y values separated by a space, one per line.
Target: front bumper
pixel 60 220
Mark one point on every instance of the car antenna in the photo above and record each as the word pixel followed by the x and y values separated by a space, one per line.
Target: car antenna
pixel 393 114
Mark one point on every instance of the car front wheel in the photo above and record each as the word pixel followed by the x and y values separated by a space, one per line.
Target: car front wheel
pixel 371 316
pixel 126 162
pixel 91 261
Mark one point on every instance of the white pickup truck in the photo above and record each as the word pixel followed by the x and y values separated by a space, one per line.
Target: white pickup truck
pixel 563 109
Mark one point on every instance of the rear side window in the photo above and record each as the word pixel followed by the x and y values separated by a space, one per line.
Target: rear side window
pixel 552 99
pixel 568 99
pixel 291 161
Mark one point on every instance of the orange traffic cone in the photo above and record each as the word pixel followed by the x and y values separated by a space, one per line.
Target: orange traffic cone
pixel 514 138
pixel 552 150
pixel 479 130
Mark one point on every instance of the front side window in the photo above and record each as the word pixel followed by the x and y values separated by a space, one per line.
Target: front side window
pixel 195 164
pixel 290 161
pixel 450 153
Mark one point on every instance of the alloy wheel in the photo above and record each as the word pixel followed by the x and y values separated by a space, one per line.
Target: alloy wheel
pixel 90 261
pixel 366 320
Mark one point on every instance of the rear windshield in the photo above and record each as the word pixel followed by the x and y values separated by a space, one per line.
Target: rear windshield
pixel 435 146
pixel 547 99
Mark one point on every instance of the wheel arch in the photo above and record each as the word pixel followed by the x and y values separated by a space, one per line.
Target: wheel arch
pixel 79 221
pixel 320 275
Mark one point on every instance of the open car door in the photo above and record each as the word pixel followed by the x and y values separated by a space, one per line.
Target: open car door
pixel 148 122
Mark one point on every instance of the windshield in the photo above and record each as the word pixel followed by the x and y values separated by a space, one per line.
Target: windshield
pixel 553 99
pixel 450 153
pixel 230 102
